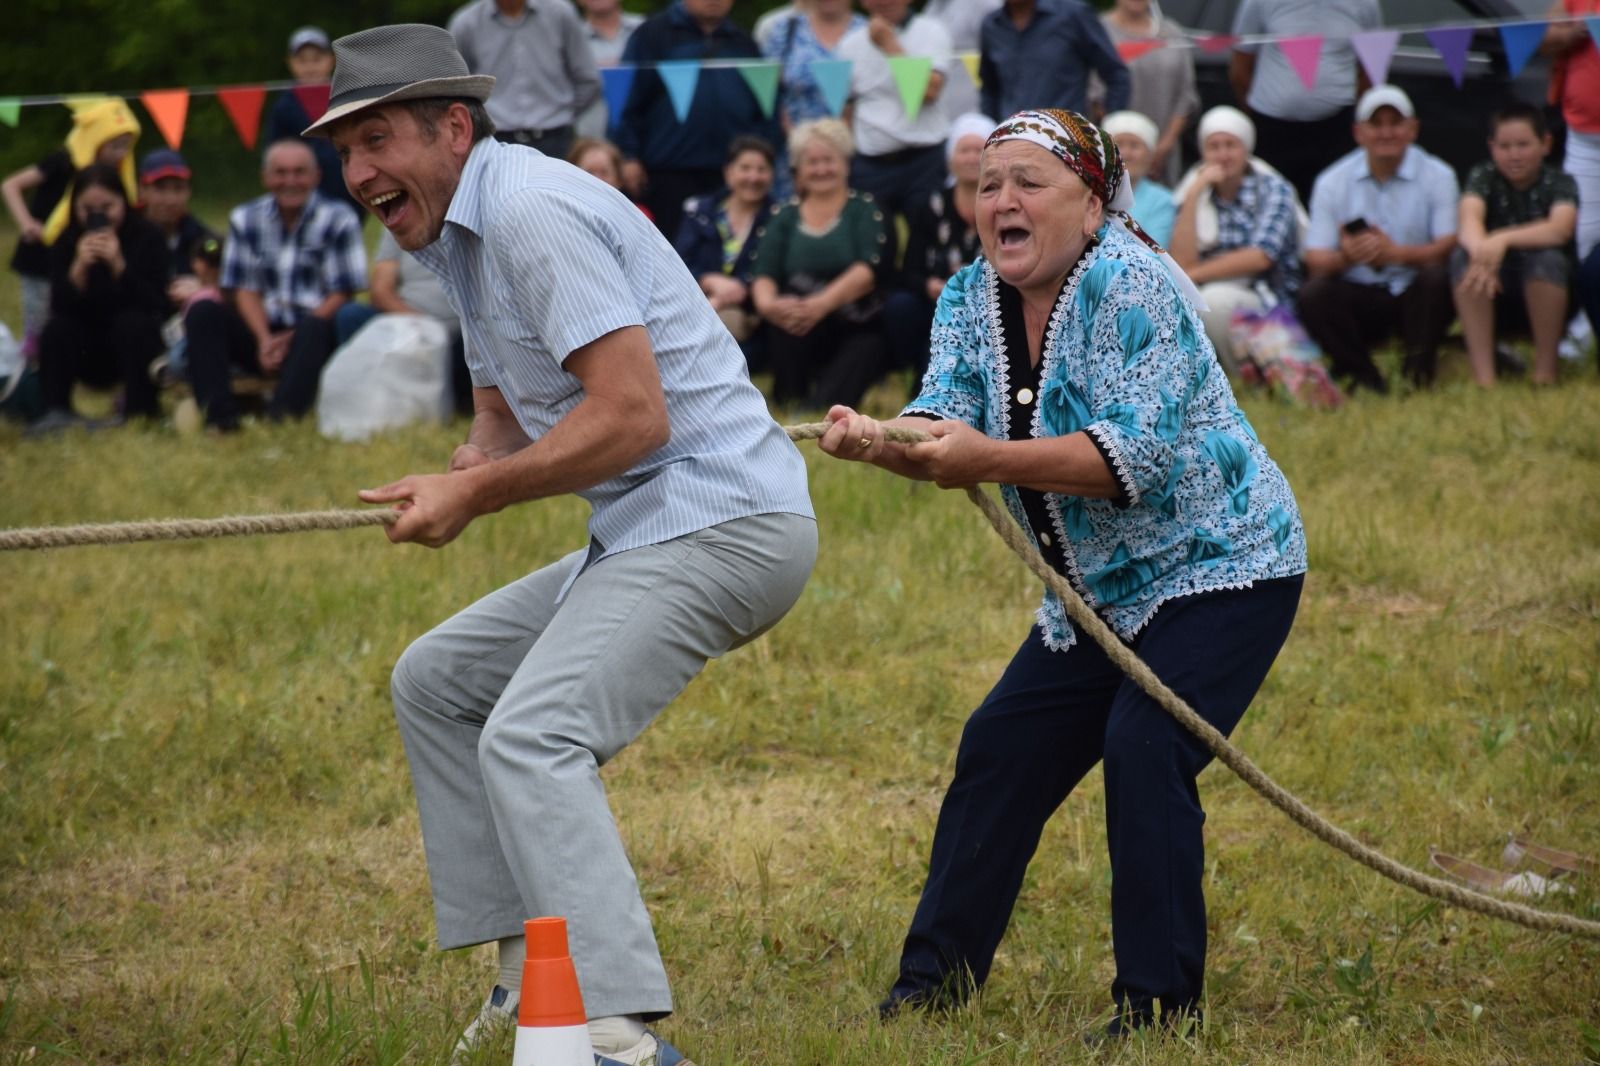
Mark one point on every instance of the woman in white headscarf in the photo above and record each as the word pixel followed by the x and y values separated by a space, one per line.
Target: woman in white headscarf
pixel 941 238
pixel 1153 204
pixel 1068 366
pixel 1238 228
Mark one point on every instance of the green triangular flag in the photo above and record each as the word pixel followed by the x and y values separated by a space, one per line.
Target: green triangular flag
pixel 911 75
pixel 10 110
pixel 763 81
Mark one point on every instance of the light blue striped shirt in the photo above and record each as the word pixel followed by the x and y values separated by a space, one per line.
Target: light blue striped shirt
pixel 539 259
pixel 1417 205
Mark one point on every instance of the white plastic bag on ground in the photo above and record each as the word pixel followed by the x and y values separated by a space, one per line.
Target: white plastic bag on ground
pixel 393 372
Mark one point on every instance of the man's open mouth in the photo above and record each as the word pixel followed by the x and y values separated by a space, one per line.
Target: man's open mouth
pixel 388 206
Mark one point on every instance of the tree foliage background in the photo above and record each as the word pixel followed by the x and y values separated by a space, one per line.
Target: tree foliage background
pixel 82 46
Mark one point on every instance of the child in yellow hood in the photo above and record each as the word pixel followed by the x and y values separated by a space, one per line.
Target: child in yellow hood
pixel 104 130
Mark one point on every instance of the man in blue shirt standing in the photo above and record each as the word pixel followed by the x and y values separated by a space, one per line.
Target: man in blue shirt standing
pixel 1038 54
pixel 1383 222
pixel 598 368
pixel 669 161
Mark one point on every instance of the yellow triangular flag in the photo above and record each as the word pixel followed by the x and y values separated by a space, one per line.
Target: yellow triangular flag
pixel 970 61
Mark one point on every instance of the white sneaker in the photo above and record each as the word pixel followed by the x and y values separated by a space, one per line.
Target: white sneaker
pixel 650 1051
pixel 498 1013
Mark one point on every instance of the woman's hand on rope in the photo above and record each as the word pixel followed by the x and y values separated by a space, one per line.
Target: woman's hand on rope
pixel 852 436
pixel 957 458
pixel 433 508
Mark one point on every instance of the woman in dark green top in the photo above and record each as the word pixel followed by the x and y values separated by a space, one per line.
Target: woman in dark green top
pixel 816 276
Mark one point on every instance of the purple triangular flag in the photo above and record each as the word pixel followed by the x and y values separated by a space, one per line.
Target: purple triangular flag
pixel 617 81
pixel 1375 49
pixel 1522 40
pixel 1451 43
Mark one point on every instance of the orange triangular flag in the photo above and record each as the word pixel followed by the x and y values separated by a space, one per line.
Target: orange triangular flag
pixel 1131 50
pixel 170 109
pixel 243 106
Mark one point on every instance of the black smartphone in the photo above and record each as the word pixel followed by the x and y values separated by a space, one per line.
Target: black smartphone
pixel 96 220
pixel 1355 226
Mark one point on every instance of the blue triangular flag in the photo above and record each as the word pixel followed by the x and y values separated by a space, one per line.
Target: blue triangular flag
pixel 680 76
pixel 833 79
pixel 617 82
pixel 1451 43
pixel 1594 29
pixel 1522 40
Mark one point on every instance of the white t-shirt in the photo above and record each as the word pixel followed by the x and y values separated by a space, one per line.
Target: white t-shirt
pixel 880 125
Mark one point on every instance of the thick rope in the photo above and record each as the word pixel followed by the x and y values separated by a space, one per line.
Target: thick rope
pixel 1080 613
pixel 189 528
pixel 1231 757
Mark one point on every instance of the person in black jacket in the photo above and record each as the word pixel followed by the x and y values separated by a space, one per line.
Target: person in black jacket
pixel 108 273
pixel 719 235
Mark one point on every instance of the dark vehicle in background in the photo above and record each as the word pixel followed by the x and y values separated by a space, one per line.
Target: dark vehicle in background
pixel 1454 121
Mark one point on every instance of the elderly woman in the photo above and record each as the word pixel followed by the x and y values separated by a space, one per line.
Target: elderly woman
pixel 716 239
pixel 816 276
pixel 1238 227
pixel 1068 366
pixel 942 237
pixel 1153 205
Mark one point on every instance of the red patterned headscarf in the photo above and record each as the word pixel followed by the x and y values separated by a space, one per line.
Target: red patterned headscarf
pixel 1091 154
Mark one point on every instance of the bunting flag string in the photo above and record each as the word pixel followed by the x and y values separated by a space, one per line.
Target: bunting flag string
pixel 1375 49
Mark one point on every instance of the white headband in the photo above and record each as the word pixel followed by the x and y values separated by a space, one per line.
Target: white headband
pixel 1132 122
pixel 1227 119
pixel 970 124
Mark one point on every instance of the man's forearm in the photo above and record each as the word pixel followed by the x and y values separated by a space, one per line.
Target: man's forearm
pixel 254 312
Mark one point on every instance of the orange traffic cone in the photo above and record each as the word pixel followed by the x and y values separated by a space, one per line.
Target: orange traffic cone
pixel 552 1029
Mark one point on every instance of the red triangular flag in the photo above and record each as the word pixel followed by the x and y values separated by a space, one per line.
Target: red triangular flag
pixel 1131 50
pixel 170 109
pixel 243 106
pixel 1216 42
pixel 314 98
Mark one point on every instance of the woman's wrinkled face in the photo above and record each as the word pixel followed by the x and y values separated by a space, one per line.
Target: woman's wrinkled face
pixel 108 203
pixel 1034 215
pixel 966 159
pixel 1227 152
pixel 820 167
pixel 1135 155
pixel 749 177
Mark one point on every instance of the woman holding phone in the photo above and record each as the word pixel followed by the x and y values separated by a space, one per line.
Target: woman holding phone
pixel 107 274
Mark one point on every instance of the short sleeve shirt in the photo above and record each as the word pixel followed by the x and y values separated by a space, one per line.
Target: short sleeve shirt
pixel 540 259
pixel 1262 216
pixel 1276 89
pixel 789 251
pixel 1417 205
pixel 1506 205
pixel 294 270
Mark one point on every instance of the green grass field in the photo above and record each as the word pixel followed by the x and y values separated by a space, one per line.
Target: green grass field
pixel 209 850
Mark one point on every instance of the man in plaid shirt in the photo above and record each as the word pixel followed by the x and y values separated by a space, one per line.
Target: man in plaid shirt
pixel 292 259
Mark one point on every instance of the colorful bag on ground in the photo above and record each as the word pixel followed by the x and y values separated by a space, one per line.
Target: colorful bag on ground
pixel 1275 352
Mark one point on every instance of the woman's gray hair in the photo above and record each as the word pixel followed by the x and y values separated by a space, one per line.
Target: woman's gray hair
pixel 830 131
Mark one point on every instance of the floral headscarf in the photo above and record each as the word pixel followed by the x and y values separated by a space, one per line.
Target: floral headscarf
pixel 1091 154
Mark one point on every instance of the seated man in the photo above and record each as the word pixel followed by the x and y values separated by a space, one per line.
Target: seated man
pixel 292 259
pixel 1516 251
pixel 1383 221
pixel 400 285
pixel 1238 229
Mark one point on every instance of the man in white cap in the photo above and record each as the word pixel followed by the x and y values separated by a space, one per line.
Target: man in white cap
pixel 1383 222
pixel 598 369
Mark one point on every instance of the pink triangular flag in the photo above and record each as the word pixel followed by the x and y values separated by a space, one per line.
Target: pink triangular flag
pixel 170 109
pixel 1303 54
pixel 1375 50
pixel 1131 50
pixel 1451 43
pixel 314 98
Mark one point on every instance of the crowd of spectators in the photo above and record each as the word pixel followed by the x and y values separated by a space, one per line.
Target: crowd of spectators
pixel 823 239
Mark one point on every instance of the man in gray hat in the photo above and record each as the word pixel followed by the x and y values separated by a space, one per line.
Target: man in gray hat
pixel 598 369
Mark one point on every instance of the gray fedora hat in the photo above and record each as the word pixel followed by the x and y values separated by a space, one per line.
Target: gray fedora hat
pixel 391 63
